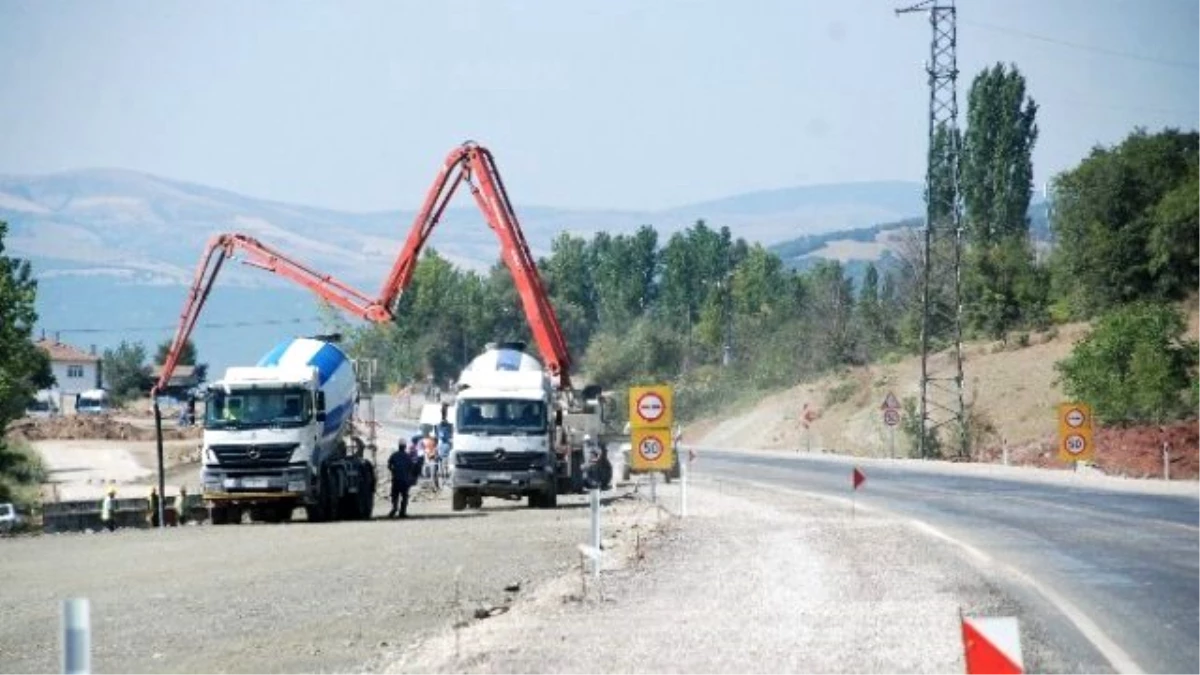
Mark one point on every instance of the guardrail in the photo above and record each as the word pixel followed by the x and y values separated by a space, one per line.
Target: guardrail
pixel 81 515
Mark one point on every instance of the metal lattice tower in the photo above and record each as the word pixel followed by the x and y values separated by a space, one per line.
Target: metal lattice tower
pixel 942 402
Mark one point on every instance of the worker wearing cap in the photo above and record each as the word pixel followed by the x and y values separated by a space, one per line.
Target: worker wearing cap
pixel 108 509
pixel 400 464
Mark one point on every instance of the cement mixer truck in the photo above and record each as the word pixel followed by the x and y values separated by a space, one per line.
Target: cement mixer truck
pixel 279 435
pixel 516 435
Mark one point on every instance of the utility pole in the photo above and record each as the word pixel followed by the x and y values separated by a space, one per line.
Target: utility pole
pixel 941 301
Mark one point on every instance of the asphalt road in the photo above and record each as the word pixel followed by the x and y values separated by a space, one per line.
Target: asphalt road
pixel 1115 573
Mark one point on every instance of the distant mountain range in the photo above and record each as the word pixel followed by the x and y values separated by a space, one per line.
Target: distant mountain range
pixel 114 250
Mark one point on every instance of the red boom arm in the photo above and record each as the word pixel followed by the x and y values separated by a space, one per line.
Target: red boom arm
pixel 468 161
pixel 462 164
pixel 262 256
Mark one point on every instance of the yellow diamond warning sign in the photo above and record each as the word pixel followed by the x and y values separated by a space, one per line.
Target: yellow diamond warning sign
pixel 651 450
pixel 1075 442
pixel 650 407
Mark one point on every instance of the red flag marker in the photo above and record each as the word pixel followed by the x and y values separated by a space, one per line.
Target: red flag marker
pixel 992 645
pixel 858 477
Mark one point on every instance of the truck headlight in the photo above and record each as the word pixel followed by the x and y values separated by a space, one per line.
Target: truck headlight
pixel 210 457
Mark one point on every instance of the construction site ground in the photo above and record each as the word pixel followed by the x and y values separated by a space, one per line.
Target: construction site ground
pixel 1014 390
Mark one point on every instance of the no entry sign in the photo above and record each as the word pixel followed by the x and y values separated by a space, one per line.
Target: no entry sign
pixel 650 407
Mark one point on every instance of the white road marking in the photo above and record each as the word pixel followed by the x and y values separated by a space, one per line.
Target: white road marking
pixel 1117 657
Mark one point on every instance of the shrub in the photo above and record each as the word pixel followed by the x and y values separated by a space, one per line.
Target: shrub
pixel 21 473
pixel 1135 366
pixel 841 392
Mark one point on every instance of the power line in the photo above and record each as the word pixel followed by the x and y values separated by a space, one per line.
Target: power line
pixel 1083 47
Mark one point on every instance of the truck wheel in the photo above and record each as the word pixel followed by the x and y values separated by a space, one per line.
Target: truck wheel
pixel 283 513
pixel 475 502
pixel 220 515
pixel 458 500
pixel 544 500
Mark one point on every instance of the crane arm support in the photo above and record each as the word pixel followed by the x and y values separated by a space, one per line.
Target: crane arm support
pixel 264 257
pixel 474 165
pixel 493 200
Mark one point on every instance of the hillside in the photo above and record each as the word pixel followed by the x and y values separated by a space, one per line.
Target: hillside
pixel 114 250
pixel 1013 387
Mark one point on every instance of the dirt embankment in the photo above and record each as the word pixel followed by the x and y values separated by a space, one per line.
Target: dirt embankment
pixel 1012 387
pixel 92 427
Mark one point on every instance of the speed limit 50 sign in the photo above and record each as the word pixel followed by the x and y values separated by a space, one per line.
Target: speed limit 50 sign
pixel 1075 439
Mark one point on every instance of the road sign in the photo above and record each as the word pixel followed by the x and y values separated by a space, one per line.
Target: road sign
pixel 650 407
pixel 891 417
pixel 857 477
pixel 890 402
pixel 1075 433
pixel 651 450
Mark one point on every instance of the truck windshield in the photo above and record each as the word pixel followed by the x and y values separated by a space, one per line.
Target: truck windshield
pixel 245 408
pixel 501 416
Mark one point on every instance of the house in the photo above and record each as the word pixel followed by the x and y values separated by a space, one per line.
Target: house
pixel 75 371
pixel 183 379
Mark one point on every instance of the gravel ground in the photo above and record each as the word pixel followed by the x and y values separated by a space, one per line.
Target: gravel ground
pixel 754 580
pixel 276 598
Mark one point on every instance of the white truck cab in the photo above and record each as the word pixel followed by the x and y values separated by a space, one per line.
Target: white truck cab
pixel 504 434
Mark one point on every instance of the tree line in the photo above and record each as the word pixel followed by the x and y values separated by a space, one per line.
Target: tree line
pixel 721 317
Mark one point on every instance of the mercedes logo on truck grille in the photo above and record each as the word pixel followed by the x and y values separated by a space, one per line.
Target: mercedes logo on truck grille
pixel 253 453
pixel 499 454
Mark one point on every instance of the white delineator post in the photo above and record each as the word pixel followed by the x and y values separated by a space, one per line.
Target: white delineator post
pixel 683 477
pixel 595 502
pixel 76 636
pixel 1166 461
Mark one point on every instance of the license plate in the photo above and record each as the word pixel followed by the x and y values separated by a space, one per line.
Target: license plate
pixel 254 483
pixel 500 476
pixel 230 482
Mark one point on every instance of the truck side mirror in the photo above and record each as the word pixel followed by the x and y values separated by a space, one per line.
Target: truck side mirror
pixel 320 406
pixel 558 418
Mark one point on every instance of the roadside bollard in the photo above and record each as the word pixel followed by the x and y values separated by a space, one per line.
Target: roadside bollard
pixel 595 500
pixel 76 636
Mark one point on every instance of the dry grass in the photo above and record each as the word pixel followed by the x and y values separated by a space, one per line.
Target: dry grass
pixel 1015 387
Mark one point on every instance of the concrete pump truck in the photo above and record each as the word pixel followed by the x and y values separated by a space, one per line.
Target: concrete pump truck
pixel 330 481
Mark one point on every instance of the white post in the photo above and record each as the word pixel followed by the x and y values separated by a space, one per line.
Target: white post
pixel 653 487
pixel 1166 461
pixel 1004 450
pixel 595 499
pixel 683 476
pixel 891 442
pixel 76 636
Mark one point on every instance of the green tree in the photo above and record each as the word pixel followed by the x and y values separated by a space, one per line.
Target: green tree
pixel 126 372
pixel 1135 366
pixel 997 184
pixel 187 355
pixel 24 368
pixel 1124 224
pixel 1173 246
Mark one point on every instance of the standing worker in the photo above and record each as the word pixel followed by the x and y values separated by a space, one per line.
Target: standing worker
pixel 153 507
pixel 108 509
pixel 181 506
pixel 400 464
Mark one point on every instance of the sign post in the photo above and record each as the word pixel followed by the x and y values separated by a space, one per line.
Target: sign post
pixel 891 417
pixel 653 447
pixel 1075 434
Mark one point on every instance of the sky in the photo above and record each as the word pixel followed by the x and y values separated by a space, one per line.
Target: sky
pixel 634 105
